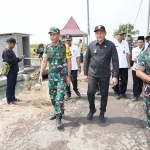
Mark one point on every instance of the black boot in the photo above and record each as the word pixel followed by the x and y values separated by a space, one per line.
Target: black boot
pixel 90 114
pixel 58 121
pixel 101 117
pixel 53 117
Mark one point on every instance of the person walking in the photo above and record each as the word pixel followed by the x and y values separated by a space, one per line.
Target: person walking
pixel 137 82
pixel 58 55
pixel 76 68
pixel 143 72
pixel 97 70
pixel 124 64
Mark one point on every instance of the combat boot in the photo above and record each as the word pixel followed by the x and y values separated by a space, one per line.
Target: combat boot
pixel 58 121
pixel 53 117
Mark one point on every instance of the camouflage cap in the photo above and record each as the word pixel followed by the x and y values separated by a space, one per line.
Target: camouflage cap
pixel 119 32
pixel 54 30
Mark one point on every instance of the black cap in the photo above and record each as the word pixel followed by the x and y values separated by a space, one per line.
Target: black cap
pixel 120 32
pixel 99 28
pixel 68 37
pixel 141 38
pixel 11 40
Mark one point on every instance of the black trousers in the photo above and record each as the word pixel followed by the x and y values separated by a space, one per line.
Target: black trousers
pixel 92 87
pixel 81 57
pixel 123 75
pixel 137 84
pixel 74 75
pixel 11 84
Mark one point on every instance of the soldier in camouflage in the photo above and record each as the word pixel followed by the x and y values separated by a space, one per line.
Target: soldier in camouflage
pixel 143 72
pixel 58 55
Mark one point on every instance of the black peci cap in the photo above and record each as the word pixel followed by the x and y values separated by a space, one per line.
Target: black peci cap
pixel 141 38
pixel 100 28
pixel 11 40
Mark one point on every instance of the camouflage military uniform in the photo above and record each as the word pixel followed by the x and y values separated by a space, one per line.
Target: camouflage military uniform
pixel 56 57
pixel 144 65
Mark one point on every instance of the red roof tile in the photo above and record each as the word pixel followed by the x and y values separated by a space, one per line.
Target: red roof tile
pixel 72 28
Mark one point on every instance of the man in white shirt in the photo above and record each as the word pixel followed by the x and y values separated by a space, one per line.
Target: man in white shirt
pixel 75 67
pixel 137 82
pixel 124 64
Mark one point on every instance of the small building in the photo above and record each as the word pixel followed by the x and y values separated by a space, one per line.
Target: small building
pixel 22 47
pixel 73 29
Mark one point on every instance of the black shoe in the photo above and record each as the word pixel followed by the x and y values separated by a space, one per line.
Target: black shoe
pixel 117 96
pixel 58 121
pixel 12 103
pixel 134 99
pixel 102 118
pixel 98 93
pixel 78 93
pixel 53 117
pixel 124 95
pixel 68 97
pixel 90 114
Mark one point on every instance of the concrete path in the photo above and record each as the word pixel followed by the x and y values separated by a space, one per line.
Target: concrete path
pixel 27 125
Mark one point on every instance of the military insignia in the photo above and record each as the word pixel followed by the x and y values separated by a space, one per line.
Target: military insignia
pixel 99 27
pixel 95 51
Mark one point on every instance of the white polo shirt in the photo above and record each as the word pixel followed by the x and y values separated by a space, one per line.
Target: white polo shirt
pixel 75 53
pixel 135 53
pixel 122 50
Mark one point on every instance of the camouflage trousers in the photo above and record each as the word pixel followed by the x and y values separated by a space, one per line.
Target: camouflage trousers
pixel 57 90
pixel 146 107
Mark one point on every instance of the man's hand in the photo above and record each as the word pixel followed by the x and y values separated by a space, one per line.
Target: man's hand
pixel 111 69
pixel 68 81
pixel 86 78
pixel 40 79
pixel 114 81
pixel 79 70
pixel 21 57
pixel 129 66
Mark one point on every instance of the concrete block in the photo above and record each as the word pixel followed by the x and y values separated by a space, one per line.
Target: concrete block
pixel 20 77
pixel 3 81
pixel 26 77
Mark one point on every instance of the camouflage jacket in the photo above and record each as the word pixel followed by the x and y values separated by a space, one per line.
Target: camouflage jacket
pixel 56 56
pixel 144 65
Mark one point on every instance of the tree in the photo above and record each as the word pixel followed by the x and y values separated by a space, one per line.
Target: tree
pixel 128 29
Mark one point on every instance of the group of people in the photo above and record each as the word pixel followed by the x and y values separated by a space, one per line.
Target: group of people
pixel 102 59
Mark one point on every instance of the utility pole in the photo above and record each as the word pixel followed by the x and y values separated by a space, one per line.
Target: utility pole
pixel 88 22
pixel 148 19
pixel 127 30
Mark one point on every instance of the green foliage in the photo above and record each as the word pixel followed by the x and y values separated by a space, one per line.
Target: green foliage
pixel 127 28
pixel 32 53
pixel 33 45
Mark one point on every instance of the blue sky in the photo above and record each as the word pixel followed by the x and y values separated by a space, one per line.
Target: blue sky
pixel 37 16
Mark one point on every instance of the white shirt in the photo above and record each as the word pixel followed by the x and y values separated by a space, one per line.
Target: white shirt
pixel 122 50
pixel 146 45
pixel 135 53
pixel 75 53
